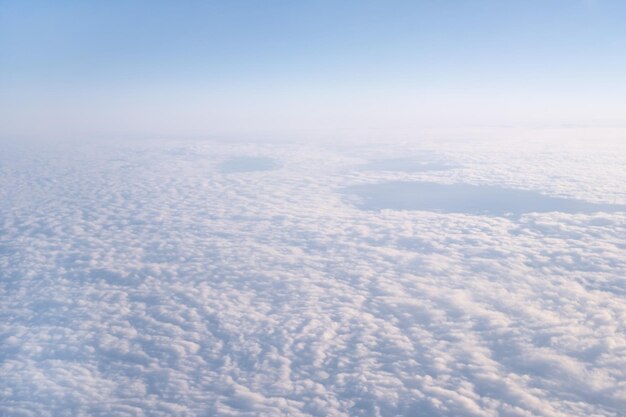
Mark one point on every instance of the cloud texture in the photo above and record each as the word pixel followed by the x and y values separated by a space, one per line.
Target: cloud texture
pixel 144 280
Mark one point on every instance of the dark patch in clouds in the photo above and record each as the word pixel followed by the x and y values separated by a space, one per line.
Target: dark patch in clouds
pixel 467 199
pixel 407 165
pixel 249 164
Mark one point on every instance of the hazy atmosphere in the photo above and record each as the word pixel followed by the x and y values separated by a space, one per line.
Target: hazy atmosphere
pixel 245 208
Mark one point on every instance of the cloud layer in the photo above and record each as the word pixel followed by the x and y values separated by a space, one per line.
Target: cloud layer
pixel 144 280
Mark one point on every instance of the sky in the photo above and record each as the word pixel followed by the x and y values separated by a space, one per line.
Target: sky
pixel 240 67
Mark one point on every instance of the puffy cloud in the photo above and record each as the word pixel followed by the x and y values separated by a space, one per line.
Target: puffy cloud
pixel 141 279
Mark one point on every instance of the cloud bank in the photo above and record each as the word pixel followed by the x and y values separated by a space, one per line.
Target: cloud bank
pixel 143 280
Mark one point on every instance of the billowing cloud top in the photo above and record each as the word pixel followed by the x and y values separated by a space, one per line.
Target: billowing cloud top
pixel 151 279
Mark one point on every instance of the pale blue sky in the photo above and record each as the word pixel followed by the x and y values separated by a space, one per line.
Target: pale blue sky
pixel 118 67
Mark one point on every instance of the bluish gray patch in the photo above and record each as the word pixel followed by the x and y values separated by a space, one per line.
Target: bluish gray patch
pixel 467 199
pixel 249 164
pixel 407 165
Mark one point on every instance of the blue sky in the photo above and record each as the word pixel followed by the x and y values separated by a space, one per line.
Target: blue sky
pixel 242 66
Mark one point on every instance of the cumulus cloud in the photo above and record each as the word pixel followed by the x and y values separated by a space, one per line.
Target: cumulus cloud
pixel 144 280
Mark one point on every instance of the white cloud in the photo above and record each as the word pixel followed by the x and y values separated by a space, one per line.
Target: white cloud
pixel 140 280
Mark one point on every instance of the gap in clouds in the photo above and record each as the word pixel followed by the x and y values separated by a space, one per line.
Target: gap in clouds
pixel 467 199
pixel 408 165
pixel 249 164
